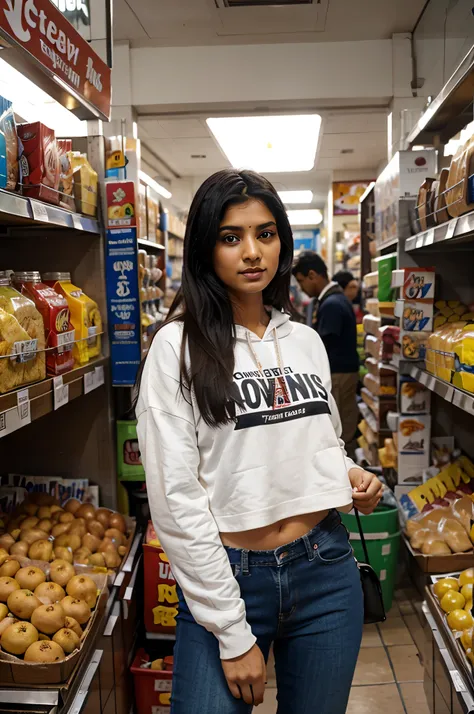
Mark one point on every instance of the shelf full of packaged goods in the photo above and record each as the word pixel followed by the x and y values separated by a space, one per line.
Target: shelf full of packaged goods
pixel 16 210
pixel 453 395
pixel 150 245
pixel 458 229
pixel 31 402
pixel 451 110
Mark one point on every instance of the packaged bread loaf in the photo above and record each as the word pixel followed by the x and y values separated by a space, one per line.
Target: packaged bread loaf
pixel 21 339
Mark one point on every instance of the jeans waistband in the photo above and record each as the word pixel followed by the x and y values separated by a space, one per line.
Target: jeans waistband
pixel 306 545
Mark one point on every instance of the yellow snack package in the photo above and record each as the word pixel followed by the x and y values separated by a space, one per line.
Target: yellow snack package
pixel 85 317
pixel 85 183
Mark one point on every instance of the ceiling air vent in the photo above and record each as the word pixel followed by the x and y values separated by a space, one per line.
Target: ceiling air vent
pixel 261 3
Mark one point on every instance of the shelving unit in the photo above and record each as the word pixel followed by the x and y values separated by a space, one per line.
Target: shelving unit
pixel 149 245
pixel 41 396
pixel 16 210
pixel 452 395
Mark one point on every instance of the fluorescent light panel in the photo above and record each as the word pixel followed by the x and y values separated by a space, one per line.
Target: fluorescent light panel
pixel 268 143
pixel 305 217
pixel 161 190
pixel 291 197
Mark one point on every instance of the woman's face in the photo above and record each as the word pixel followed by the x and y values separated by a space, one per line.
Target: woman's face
pixel 351 290
pixel 247 251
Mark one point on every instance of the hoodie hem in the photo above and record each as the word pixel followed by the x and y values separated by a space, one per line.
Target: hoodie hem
pixel 296 507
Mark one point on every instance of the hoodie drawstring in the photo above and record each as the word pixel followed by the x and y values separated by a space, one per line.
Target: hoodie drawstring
pixel 277 351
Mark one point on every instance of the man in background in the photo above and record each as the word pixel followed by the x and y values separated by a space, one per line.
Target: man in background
pixel 334 320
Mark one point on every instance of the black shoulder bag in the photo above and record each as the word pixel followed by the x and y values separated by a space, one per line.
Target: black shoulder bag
pixel 374 610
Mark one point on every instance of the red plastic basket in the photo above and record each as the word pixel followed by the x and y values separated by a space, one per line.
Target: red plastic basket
pixel 152 686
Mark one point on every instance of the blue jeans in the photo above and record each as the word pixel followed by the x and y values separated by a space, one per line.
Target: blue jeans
pixel 306 599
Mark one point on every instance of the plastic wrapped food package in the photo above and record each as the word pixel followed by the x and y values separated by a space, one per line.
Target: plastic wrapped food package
pixel 85 317
pixel 85 183
pixel 59 333
pixel 21 338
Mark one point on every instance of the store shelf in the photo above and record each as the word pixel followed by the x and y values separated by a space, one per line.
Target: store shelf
pixel 42 396
pixel 458 229
pixel 451 110
pixel 453 395
pixel 159 636
pixel 19 210
pixel 150 245
pixel 387 243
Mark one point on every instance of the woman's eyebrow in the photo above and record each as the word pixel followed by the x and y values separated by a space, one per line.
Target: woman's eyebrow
pixel 261 227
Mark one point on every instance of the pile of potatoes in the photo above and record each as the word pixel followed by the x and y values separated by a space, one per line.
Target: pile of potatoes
pixel 42 616
pixel 41 529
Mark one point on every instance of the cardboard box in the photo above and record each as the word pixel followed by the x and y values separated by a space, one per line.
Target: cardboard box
pixel 413 345
pixel 415 315
pixel 440 564
pixel 414 433
pixel 14 671
pixel 418 284
pixel 39 162
pixel 414 398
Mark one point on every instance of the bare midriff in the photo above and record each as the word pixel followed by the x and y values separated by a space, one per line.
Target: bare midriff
pixel 275 535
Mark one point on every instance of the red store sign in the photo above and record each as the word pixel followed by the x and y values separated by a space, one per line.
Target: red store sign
pixel 40 28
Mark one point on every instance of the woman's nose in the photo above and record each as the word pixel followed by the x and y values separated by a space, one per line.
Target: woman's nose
pixel 251 249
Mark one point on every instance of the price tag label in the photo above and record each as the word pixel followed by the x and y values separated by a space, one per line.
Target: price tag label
pixel 89 382
pixel 60 393
pixel 76 221
pixel 66 341
pixel 451 229
pixel 463 401
pixel 40 212
pixel 99 376
pixel 24 409
pixel 420 240
pixel 459 685
pixel 429 237
pixel 431 383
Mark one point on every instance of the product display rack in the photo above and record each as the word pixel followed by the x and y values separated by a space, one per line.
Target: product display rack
pixel 447 248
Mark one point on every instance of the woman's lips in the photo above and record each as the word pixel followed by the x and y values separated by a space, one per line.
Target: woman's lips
pixel 253 275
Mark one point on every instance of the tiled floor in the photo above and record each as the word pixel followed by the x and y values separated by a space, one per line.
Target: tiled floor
pixel 389 675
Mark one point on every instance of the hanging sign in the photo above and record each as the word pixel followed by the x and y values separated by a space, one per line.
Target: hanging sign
pixel 123 303
pixel 75 10
pixel 41 29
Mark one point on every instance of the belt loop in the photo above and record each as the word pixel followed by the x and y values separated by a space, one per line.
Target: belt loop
pixel 244 562
pixel 309 549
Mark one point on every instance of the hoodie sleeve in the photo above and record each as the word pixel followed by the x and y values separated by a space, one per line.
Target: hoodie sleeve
pixel 322 359
pixel 179 504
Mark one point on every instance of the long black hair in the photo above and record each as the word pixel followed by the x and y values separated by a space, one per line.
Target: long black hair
pixel 203 303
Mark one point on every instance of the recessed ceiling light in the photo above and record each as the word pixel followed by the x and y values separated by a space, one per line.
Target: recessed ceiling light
pixel 296 196
pixel 305 217
pixel 268 143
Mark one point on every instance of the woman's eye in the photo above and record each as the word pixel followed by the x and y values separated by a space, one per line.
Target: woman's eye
pixel 267 234
pixel 230 240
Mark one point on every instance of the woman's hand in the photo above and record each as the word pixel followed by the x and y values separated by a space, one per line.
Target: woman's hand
pixel 247 675
pixel 366 490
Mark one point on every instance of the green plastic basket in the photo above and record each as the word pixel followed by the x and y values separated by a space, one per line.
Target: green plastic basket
pixel 382 536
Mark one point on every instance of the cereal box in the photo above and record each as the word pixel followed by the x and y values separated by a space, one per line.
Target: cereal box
pixel 415 398
pixel 419 284
pixel 414 315
pixel 414 434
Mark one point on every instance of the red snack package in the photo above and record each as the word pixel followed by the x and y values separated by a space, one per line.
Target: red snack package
pixel 54 309
pixel 39 162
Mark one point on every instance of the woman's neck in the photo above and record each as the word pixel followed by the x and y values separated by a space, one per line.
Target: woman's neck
pixel 249 311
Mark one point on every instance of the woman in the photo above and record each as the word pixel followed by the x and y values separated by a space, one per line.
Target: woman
pixel 239 439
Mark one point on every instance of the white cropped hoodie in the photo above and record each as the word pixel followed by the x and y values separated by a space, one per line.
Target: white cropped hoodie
pixel 282 457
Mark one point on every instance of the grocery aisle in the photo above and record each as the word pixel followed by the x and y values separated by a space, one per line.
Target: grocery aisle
pixel 389 674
